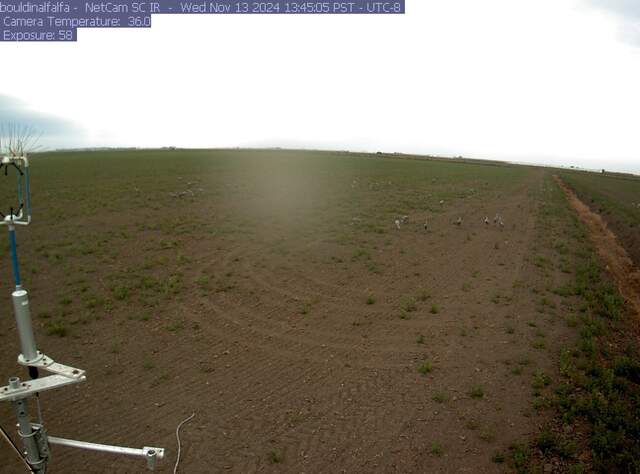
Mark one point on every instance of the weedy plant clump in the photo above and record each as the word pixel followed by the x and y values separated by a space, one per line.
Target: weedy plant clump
pixel 425 368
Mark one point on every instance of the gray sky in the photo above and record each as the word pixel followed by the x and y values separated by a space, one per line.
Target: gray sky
pixel 628 16
pixel 540 81
pixel 55 131
pixel 624 8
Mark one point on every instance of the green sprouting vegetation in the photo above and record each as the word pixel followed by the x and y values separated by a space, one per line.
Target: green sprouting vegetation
pixel 608 194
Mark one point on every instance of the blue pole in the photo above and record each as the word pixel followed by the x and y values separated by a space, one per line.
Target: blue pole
pixel 14 255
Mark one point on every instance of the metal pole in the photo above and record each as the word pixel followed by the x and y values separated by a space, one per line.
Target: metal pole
pixel 25 430
pixel 152 455
pixel 24 326
pixel 21 307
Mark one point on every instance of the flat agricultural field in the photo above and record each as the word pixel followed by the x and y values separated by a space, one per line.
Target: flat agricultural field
pixel 272 294
pixel 617 199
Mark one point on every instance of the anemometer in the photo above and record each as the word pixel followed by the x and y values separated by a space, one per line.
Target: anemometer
pixel 35 439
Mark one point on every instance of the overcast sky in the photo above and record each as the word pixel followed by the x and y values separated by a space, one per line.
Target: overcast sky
pixel 543 81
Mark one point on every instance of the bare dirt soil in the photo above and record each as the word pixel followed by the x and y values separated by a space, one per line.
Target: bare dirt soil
pixel 609 248
pixel 296 339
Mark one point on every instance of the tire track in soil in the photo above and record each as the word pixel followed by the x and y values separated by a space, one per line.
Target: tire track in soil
pixel 331 301
pixel 262 323
pixel 339 432
pixel 273 329
pixel 279 335
pixel 286 343
pixel 612 253
pixel 288 390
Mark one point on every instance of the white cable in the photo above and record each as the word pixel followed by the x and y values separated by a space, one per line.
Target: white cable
pixel 175 468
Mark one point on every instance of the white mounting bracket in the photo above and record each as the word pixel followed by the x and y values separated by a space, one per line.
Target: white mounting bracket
pixel 18 390
pixel 44 362
pixel 63 375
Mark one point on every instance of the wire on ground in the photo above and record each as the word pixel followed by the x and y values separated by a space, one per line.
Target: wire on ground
pixel 186 420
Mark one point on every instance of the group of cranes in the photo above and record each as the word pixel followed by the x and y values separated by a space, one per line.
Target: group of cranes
pixel 497 221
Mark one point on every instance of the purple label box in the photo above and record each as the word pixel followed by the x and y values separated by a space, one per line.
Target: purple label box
pixel 60 20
